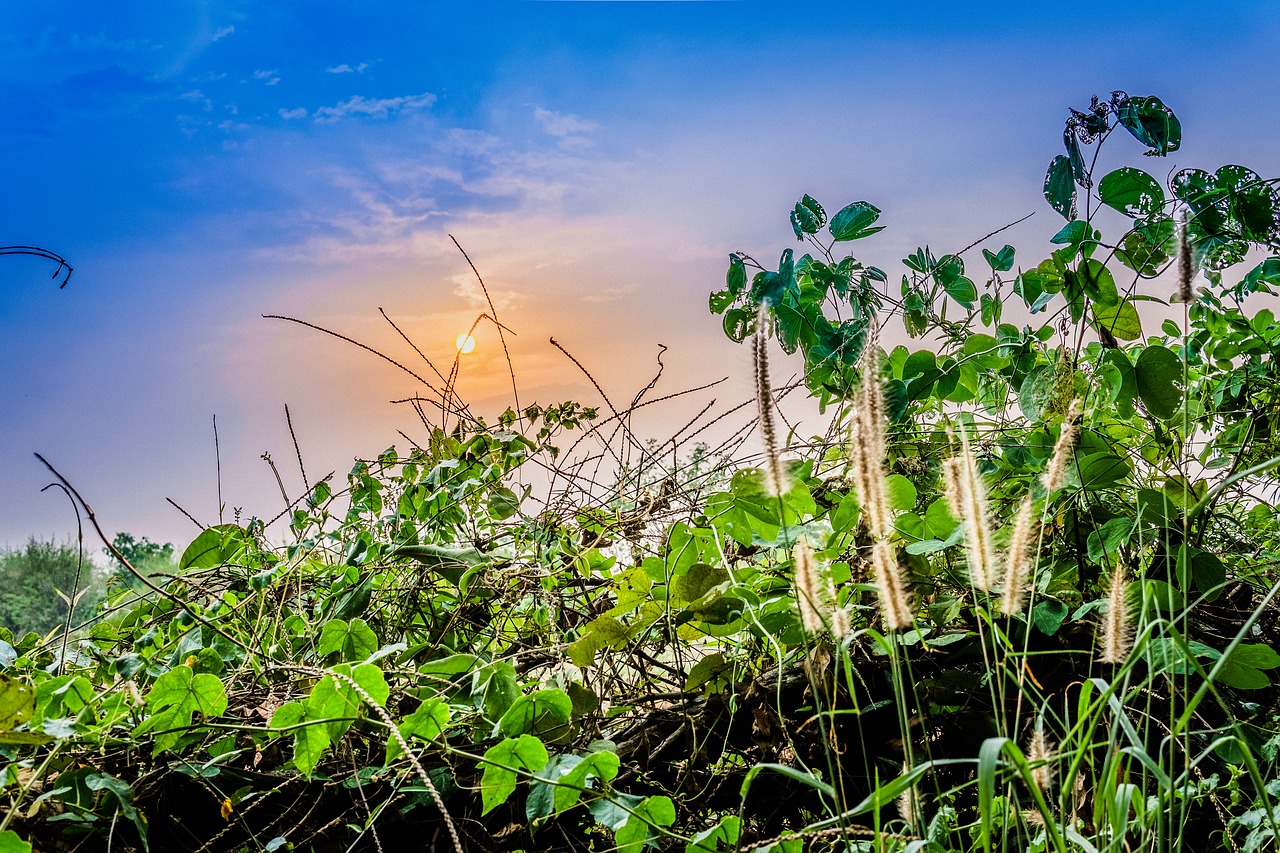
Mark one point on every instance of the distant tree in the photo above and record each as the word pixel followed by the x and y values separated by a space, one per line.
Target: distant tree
pixel 39 582
pixel 144 555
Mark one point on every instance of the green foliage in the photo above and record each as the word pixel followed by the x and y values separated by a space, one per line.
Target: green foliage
pixel 36 587
pixel 147 557
pixel 620 662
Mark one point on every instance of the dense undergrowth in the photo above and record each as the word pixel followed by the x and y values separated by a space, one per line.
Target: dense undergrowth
pixel 1019 597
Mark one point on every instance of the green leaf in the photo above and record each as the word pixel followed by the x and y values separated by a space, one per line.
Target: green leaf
pixel 175 698
pixel 1149 246
pixel 1048 615
pixel 736 278
pixel 1151 123
pixel 854 221
pixel 310 742
pixel 695 583
pixel 600 633
pixel 1060 188
pixel 720 300
pixel 807 217
pixel 494 688
pixel 449 666
pixel 1104 543
pixel 220 545
pixel 1101 470
pixel 450 562
pixel 17 702
pixel 335 697
pixel 1132 192
pixel 11 842
pixel 1256 655
pixel 1036 391
pixel 426 723
pixel 355 640
pixel 1159 374
pixel 546 714
pixel 739 324
pixel 725 832
pixel 1243 668
pixel 501 763
pixel 503 503
pixel 602 766
pixel 705 670
pixel 541 801
pixel 963 291
pixel 1120 319
pixel 1001 261
pixel 900 492
pixel 648 813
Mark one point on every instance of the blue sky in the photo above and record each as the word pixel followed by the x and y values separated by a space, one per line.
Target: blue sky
pixel 202 164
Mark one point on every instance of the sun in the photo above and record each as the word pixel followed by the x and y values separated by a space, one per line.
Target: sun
pixel 465 343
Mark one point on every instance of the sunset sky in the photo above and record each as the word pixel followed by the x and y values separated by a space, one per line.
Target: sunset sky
pixel 202 164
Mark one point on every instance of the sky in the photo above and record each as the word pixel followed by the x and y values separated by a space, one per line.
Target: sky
pixel 202 164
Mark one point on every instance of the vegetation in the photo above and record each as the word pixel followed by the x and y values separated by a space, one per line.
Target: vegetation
pixel 1020 597
pixel 40 582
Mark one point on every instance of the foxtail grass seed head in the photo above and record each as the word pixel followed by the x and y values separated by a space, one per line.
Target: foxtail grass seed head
pixel 909 806
pixel 774 472
pixel 871 397
pixel 1066 443
pixel 968 498
pixel 1186 269
pixel 841 626
pixel 1018 557
pixel 891 586
pixel 867 445
pixel 1041 755
pixel 1116 630
pixel 811 592
pixel 869 480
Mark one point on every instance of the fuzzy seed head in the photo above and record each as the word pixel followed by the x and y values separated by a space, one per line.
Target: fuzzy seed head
pixel 811 592
pixel 1116 630
pixel 869 480
pixel 1018 558
pixel 968 496
pixel 1041 754
pixel 871 397
pixel 1062 449
pixel 775 474
pixel 841 626
pixel 1186 268
pixel 867 445
pixel 891 586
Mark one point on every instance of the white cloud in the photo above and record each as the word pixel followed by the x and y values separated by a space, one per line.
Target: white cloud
pixel 222 33
pixel 374 107
pixel 561 125
pixel 344 68
pixel 195 96
pixel 299 112
pixel 271 78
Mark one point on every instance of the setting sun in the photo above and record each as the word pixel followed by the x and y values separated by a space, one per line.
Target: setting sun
pixel 465 343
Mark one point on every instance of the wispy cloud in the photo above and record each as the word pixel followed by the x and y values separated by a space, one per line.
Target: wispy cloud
pixel 223 32
pixel 374 107
pixel 271 78
pixel 199 98
pixel 297 112
pixel 344 68
pixel 561 124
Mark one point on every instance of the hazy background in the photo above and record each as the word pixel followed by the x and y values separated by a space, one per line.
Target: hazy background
pixel 202 164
